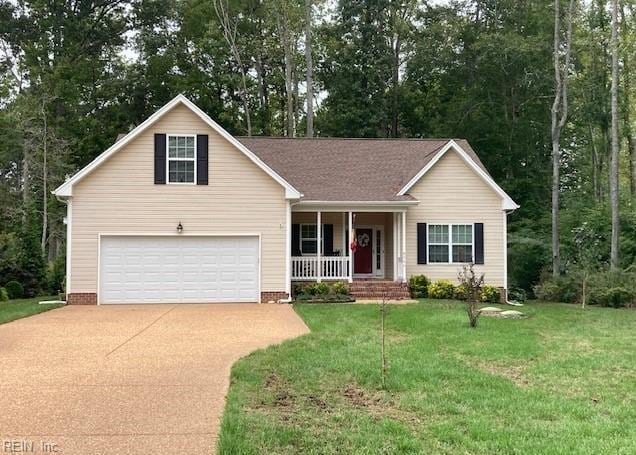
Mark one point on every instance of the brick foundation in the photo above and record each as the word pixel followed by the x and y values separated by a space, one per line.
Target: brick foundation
pixel 81 298
pixel 503 293
pixel 272 296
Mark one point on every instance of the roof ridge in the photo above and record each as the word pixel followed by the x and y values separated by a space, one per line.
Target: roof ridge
pixel 388 139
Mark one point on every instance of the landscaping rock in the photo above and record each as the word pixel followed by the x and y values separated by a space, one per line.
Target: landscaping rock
pixel 490 309
pixel 512 314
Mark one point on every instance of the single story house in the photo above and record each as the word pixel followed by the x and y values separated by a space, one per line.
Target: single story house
pixel 178 210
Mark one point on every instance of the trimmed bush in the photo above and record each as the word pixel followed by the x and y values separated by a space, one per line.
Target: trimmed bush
pixel 14 289
pixel 490 294
pixel 4 295
pixel 442 289
pixel 322 292
pixel 418 285
pixel 340 288
pixel 461 292
pixel 318 289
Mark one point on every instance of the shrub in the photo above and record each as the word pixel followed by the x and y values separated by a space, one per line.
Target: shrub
pixel 559 289
pixel 418 285
pixel 615 297
pixel 461 292
pixel 490 294
pixel 340 288
pixel 517 295
pixel 322 292
pixel 303 296
pixel 612 289
pixel 14 289
pixel 317 289
pixel 55 275
pixel 442 289
pixel 4 295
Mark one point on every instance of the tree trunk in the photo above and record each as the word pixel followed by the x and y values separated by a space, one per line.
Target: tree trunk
pixel 613 177
pixel 289 90
pixel 229 33
pixel 310 71
pixel 262 94
pixel 45 195
pixel 26 180
pixel 559 114
pixel 595 166
pixel 395 82
pixel 627 88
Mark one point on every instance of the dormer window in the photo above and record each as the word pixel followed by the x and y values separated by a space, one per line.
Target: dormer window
pixel 181 160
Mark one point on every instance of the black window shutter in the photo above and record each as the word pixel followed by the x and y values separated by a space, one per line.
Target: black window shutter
pixel 421 243
pixel 479 243
pixel 295 246
pixel 202 159
pixel 327 232
pixel 160 158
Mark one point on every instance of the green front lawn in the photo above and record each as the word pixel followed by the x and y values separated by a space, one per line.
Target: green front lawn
pixel 20 308
pixel 561 381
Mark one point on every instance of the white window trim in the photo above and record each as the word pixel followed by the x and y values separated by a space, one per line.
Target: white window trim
pixel 168 159
pixel 450 243
pixel 315 239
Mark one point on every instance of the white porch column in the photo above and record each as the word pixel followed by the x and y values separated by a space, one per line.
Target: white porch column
pixel 344 234
pixel 403 238
pixel 288 236
pixel 396 247
pixel 348 243
pixel 319 248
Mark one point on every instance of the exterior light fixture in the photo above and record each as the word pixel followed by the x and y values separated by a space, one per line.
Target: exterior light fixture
pixel 179 228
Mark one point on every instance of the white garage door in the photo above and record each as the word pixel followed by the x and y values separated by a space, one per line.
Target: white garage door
pixel 178 269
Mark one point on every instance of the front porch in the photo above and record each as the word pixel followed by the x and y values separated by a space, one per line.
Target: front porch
pixel 350 245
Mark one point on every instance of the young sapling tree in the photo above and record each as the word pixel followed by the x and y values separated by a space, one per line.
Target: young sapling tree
pixel 473 284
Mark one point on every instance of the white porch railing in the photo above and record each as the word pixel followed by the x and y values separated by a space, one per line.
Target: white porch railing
pixel 314 268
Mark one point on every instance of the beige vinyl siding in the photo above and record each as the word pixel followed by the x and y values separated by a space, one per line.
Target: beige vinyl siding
pixel 120 197
pixel 451 192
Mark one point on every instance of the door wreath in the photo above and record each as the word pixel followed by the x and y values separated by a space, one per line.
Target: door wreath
pixel 363 240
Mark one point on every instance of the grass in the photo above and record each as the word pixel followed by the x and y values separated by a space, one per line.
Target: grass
pixel 562 381
pixel 21 308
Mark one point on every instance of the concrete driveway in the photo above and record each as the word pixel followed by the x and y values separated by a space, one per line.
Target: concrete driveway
pixel 145 379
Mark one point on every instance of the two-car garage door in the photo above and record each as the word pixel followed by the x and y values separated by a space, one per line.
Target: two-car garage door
pixel 179 269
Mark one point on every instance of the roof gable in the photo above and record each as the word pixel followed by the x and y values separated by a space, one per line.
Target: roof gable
pixel 66 189
pixel 507 202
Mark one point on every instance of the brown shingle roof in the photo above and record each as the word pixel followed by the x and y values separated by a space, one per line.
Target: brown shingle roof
pixel 337 169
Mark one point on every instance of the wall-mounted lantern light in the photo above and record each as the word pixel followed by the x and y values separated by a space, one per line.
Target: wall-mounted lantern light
pixel 179 228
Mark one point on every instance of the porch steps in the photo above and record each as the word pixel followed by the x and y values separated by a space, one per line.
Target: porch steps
pixel 378 289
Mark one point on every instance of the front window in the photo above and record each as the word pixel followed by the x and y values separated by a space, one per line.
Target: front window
pixel 450 243
pixel 309 239
pixel 181 159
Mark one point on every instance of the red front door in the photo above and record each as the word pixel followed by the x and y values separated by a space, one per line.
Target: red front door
pixel 363 257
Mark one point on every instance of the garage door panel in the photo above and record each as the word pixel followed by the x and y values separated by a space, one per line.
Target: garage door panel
pixel 154 269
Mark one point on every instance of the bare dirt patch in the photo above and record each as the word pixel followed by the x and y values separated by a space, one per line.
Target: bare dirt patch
pixel 515 373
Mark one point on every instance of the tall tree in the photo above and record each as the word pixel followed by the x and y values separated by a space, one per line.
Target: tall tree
pixel 559 118
pixel 614 156
pixel 230 33
pixel 310 69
